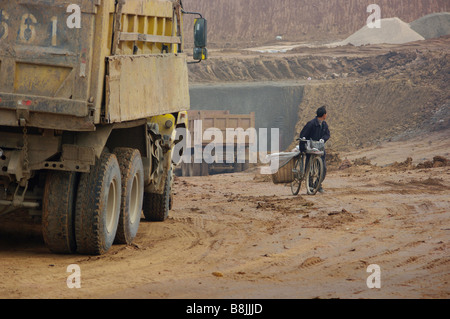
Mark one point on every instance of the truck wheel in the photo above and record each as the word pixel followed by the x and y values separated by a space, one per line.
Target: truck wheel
pixel 98 206
pixel 58 208
pixel 132 173
pixel 157 206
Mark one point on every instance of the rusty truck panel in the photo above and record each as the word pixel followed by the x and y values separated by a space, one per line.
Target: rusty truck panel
pixel 53 74
pixel 147 76
pixel 221 120
pixel 241 135
pixel 45 67
pixel 162 87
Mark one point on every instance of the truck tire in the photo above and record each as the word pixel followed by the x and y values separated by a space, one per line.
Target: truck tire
pixel 132 174
pixel 98 206
pixel 58 208
pixel 156 206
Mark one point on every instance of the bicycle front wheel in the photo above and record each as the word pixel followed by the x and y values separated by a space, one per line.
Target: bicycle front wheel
pixel 314 175
pixel 296 171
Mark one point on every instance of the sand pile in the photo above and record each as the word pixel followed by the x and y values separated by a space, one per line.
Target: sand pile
pixel 392 31
pixel 431 26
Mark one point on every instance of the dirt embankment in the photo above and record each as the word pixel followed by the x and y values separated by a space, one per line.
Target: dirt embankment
pixel 398 95
pixel 421 60
pixel 373 112
pixel 374 93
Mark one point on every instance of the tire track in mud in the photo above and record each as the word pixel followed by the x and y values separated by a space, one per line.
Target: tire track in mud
pixel 407 241
pixel 438 262
pixel 204 236
pixel 245 250
pixel 312 261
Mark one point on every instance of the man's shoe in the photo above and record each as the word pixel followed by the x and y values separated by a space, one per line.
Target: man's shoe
pixel 321 190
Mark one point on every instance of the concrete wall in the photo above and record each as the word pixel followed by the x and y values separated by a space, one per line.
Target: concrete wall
pixel 275 104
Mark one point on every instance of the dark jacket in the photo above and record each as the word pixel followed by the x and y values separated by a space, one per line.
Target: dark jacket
pixel 313 131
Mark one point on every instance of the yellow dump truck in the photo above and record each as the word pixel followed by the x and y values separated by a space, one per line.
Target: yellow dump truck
pixel 236 130
pixel 91 93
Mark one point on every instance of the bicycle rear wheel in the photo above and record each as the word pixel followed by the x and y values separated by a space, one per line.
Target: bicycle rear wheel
pixel 297 171
pixel 314 175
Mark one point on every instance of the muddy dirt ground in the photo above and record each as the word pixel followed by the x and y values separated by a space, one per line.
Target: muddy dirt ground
pixel 241 236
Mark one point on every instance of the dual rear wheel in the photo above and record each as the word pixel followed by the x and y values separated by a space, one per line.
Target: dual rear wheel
pixel 88 212
pixel 156 206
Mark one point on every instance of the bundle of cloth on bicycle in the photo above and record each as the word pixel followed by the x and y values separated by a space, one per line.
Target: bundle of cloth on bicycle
pixel 283 158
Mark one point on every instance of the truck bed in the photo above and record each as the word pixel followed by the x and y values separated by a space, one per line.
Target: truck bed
pixel 220 120
pixel 124 63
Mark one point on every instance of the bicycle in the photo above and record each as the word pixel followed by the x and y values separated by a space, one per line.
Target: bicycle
pixel 313 173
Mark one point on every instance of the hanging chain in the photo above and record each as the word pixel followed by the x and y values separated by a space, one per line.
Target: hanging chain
pixel 26 161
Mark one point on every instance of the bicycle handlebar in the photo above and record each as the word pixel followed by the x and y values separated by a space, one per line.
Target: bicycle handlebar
pixel 303 139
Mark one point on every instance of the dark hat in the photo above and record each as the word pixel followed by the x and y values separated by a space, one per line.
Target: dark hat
pixel 321 111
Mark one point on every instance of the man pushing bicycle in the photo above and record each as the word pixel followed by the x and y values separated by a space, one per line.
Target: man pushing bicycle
pixel 317 130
